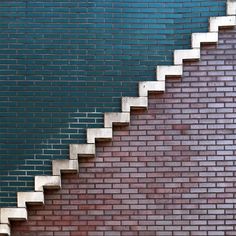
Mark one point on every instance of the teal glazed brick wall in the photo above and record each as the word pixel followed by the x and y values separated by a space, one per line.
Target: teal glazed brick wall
pixel 63 63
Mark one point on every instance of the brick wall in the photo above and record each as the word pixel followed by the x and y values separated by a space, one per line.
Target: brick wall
pixel 171 172
pixel 64 63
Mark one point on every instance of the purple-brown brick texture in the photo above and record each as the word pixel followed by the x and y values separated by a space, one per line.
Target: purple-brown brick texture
pixel 171 172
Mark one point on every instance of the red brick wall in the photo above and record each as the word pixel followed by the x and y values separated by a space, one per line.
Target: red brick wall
pixel 171 172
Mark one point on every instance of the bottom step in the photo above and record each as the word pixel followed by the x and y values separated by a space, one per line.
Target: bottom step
pixel 4 229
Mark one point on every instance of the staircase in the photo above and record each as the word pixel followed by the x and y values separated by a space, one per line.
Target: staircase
pixel 111 119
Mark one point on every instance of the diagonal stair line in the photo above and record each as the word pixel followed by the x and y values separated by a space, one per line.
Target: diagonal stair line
pixel 110 119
